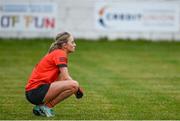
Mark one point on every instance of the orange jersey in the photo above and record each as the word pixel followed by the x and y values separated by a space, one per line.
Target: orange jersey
pixel 47 70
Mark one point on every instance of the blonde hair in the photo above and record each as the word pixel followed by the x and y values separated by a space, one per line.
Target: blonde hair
pixel 60 39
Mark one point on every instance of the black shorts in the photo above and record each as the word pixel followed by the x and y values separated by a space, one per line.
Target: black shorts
pixel 36 96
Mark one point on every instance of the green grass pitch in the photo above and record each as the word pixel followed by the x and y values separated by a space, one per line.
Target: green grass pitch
pixel 123 80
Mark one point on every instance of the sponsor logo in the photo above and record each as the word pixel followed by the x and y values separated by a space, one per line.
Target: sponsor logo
pixel 106 16
pixel 62 59
pixel 101 14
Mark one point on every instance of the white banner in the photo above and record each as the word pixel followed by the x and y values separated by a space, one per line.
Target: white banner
pixel 28 17
pixel 142 16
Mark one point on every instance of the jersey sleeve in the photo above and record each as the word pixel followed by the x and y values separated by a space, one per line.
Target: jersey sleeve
pixel 60 59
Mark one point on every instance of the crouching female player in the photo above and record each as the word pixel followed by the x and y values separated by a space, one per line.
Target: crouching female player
pixel 50 82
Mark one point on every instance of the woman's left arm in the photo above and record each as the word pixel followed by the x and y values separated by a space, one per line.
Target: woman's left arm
pixel 64 74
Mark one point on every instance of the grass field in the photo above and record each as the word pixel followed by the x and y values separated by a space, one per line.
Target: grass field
pixel 123 80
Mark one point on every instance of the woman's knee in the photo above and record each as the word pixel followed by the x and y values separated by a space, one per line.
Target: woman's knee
pixel 74 85
pixel 64 85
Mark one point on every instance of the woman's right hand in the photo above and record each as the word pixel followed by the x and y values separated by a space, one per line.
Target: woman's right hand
pixel 79 94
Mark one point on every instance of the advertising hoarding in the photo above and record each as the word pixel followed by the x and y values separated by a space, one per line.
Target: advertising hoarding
pixel 139 17
pixel 28 17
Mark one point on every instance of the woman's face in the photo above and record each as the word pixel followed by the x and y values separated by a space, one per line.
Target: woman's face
pixel 71 45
